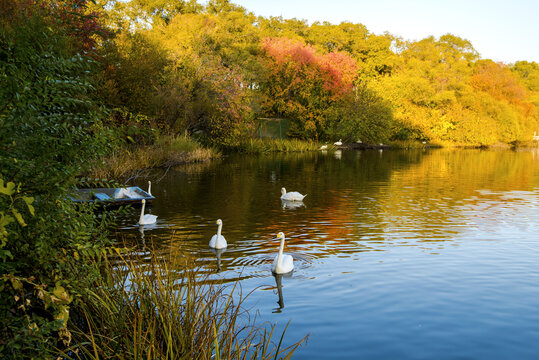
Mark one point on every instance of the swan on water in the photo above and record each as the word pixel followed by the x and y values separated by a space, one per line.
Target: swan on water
pixel 291 196
pixel 146 219
pixel 283 263
pixel 323 147
pixel 149 187
pixel 338 143
pixel 218 241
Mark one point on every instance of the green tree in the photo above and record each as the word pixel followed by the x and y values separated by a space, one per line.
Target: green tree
pixel 49 132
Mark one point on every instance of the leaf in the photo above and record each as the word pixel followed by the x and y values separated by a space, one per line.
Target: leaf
pixel 17 285
pixel 8 189
pixel 19 218
pixel 5 220
pixel 29 200
pixel 61 294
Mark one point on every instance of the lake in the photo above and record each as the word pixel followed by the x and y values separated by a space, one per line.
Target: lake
pixel 399 254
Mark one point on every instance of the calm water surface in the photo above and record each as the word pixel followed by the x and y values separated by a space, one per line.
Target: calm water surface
pixel 398 254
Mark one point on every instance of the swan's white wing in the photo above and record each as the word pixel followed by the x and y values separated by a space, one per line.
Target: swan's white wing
pixel 286 265
pixel 293 196
pixel 120 193
pixel 218 243
pixel 148 219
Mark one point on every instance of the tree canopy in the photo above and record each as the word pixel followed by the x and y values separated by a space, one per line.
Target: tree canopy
pixel 216 68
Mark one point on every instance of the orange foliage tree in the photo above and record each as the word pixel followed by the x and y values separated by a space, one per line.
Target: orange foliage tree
pixel 299 83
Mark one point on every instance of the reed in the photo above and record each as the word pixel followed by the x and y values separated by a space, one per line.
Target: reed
pixel 165 310
pixel 257 146
pixel 167 151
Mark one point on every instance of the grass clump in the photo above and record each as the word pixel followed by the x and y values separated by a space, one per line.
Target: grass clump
pixel 152 310
pixel 257 146
pixel 167 151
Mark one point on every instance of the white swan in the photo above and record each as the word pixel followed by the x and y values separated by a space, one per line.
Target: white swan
pixel 150 187
pixel 338 143
pixel 146 219
pixel 218 241
pixel 291 196
pixel 323 147
pixel 283 263
pixel 125 193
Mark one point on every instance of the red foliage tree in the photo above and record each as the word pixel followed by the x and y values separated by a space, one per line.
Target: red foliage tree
pixel 300 83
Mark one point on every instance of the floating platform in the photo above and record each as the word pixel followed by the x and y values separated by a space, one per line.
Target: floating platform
pixel 111 196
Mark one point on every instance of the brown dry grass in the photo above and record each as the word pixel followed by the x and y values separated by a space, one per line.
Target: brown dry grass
pixel 167 152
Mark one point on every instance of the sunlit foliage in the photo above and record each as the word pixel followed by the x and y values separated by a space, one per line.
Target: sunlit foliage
pixel 215 68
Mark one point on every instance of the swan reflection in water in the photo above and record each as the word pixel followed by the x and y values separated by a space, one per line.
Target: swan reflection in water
pixel 218 253
pixel 291 205
pixel 278 281
pixel 142 228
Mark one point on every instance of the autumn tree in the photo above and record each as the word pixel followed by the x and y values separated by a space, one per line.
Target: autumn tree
pixel 299 83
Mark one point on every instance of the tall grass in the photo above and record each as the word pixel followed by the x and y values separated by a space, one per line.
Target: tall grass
pixel 256 146
pixel 155 311
pixel 167 151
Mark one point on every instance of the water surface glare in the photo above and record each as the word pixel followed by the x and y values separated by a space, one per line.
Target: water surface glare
pixel 424 254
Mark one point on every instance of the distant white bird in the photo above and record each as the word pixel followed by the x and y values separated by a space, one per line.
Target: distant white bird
pixel 359 141
pixel 146 219
pixel 323 147
pixel 283 263
pixel 218 241
pixel 291 196
pixel 149 187
pixel 338 143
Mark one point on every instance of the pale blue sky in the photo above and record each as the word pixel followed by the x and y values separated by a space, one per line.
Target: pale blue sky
pixel 504 31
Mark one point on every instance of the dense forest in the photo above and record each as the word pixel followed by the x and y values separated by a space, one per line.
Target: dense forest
pixel 217 68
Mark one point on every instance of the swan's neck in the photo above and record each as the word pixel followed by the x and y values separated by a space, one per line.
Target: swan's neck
pixel 283 191
pixel 142 212
pixel 219 227
pixel 281 248
pixel 149 188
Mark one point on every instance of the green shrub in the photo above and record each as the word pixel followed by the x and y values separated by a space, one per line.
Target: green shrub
pixel 48 135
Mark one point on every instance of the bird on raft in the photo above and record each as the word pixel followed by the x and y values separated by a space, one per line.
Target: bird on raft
pixel 283 263
pixel 146 219
pixel 338 143
pixel 218 241
pixel 291 196
pixel 123 193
